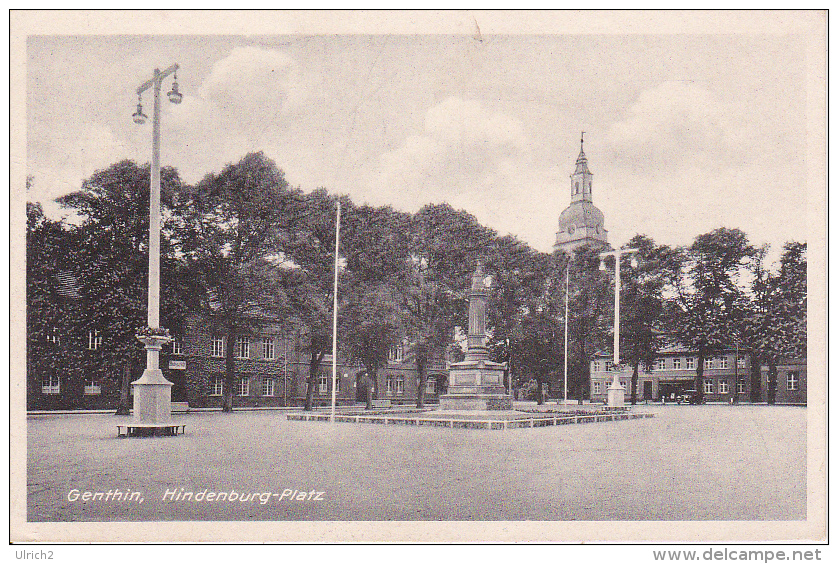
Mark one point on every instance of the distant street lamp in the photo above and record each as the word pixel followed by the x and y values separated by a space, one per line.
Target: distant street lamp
pixel 152 392
pixel 616 392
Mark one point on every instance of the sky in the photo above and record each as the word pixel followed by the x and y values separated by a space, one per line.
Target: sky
pixel 683 133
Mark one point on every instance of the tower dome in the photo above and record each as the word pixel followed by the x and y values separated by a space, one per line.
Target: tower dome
pixel 581 223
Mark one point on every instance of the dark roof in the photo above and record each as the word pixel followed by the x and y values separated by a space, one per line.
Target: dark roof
pixel 68 285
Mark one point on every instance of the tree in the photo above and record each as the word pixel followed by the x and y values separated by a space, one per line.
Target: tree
pixel 708 301
pixel 445 245
pixel 111 266
pixel 642 301
pixel 376 254
pixel 590 297
pixel 232 231
pixel 775 325
pixel 522 282
pixel 51 309
pixel 311 248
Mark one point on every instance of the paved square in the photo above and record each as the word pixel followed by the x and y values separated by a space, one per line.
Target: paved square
pixel 713 462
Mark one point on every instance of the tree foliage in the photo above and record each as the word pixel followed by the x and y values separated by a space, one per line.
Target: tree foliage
pixel 710 300
pixel 232 229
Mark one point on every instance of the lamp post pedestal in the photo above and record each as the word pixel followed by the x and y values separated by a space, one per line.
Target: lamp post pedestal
pixel 152 392
pixel 616 393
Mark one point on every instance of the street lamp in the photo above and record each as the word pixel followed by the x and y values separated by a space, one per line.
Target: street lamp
pixel 152 392
pixel 616 392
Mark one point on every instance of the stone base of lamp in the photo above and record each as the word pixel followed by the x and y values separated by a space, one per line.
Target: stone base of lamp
pixel 476 386
pixel 616 395
pixel 153 398
pixel 152 392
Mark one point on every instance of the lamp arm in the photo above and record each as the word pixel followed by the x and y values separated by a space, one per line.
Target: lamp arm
pixel 159 77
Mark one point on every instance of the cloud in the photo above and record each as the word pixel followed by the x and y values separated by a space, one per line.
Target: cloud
pixel 94 147
pixel 464 148
pixel 475 159
pixel 254 82
pixel 674 123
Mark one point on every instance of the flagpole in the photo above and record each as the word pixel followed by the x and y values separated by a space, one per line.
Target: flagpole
pixel 335 316
pixel 566 289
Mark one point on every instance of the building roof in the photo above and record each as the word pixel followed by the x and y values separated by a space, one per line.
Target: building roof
pixel 68 285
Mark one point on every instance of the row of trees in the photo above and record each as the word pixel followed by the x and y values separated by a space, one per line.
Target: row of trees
pixel 242 244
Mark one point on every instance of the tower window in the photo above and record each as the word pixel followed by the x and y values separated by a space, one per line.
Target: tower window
pixel 577 187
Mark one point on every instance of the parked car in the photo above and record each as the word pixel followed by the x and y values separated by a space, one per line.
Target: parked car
pixel 689 396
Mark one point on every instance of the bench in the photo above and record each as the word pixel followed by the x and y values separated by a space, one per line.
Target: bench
pixel 150 429
pixel 180 407
pixel 379 403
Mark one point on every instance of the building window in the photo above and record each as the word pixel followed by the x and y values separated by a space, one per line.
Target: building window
pixel 217 386
pixel 323 385
pixel 690 363
pixel 176 348
pixel 661 364
pixel 430 388
pixel 793 381
pixel 338 386
pixel 399 385
pixel 244 386
pixel 597 387
pixel 623 383
pixel 676 363
pixel 723 387
pixel 708 386
pixel 397 353
pixel 51 384
pixel 708 363
pixel 722 362
pixel 268 387
pixel 741 363
pixel 597 366
pixel 268 348
pixel 389 385
pixel 94 340
pixel 609 366
pixel 217 347
pixel 52 336
pixel 740 387
pixel 242 346
pixel 92 386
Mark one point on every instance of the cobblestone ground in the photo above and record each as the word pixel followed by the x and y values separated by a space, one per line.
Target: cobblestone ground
pixel 713 462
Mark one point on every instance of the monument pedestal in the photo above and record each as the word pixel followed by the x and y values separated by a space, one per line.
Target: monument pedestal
pixel 476 386
pixel 616 395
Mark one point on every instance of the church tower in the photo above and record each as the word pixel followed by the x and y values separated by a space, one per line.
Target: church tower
pixel 581 223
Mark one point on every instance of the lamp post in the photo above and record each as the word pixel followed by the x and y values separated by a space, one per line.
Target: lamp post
pixel 152 392
pixel 616 392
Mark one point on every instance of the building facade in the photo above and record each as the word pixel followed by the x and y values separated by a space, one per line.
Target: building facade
pixel 726 377
pixel 271 365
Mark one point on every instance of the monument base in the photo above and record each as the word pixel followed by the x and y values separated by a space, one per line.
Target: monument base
pixel 475 402
pixel 616 396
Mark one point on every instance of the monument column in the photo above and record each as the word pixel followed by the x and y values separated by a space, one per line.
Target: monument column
pixel 477 382
pixel 477 349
